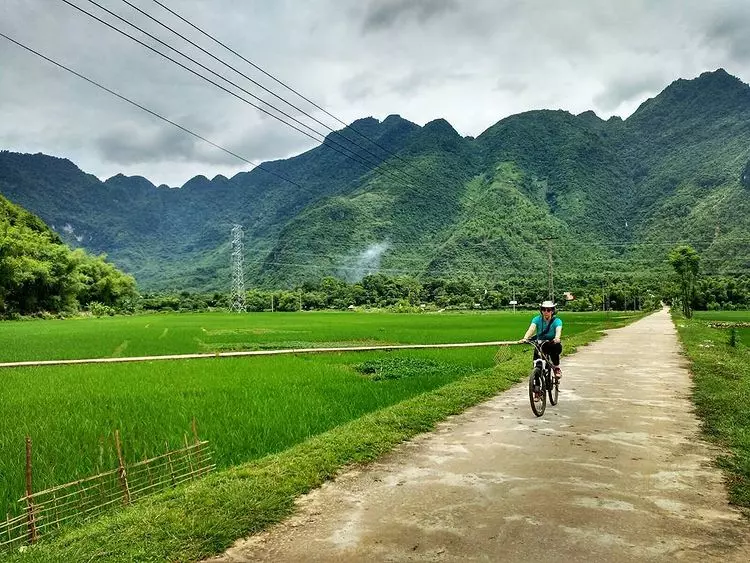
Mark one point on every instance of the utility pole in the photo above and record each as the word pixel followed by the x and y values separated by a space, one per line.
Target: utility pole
pixel 551 275
pixel 237 298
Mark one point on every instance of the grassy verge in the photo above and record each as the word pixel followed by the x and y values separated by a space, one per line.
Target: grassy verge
pixel 206 517
pixel 721 377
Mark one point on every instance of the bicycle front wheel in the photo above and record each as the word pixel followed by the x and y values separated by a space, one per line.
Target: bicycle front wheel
pixel 537 396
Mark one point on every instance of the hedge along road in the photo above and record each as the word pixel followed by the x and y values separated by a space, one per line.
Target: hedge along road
pixel 617 471
pixel 250 353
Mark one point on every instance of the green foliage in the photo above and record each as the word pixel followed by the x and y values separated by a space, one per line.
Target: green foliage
pixel 686 262
pixel 100 309
pixel 39 273
pixel 734 340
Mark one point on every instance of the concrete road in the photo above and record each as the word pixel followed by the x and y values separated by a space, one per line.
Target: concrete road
pixel 617 471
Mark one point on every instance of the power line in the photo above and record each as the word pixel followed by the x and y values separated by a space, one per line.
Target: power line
pixel 258 84
pixel 322 138
pixel 272 77
pixel 395 173
pixel 139 106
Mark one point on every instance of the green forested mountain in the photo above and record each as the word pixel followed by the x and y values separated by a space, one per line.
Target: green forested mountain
pixel 38 272
pixel 614 195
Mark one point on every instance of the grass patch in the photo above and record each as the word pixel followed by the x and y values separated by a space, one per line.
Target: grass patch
pixel 204 518
pixel 721 392
pixel 401 367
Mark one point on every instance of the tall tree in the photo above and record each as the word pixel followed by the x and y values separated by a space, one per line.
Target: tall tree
pixel 686 262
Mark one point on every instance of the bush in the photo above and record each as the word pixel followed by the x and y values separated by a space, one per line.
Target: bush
pixel 100 309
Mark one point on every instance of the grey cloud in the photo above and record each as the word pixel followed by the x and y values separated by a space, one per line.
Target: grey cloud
pixel 130 145
pixel 358 87
pixel 627 87
pixel 382 14
pixel 512 83
pixel 415 81
pixel 730 28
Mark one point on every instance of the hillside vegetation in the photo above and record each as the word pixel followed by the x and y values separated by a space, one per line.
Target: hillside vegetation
pixel 38 272
pixel 614 195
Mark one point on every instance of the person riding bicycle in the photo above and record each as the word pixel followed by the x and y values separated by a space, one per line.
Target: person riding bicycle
pixel 547 326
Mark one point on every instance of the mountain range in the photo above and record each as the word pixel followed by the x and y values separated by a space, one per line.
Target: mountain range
pixel 603 197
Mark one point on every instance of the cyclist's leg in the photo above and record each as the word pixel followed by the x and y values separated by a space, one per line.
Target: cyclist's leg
pixel 554 350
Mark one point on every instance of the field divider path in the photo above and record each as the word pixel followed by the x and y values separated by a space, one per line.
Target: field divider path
pixel 236 354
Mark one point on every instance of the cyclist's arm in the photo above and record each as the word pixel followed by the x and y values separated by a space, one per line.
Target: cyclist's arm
pixel 531 330
pixel 558 333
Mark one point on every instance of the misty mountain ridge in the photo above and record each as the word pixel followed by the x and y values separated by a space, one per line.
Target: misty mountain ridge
pixel 429 202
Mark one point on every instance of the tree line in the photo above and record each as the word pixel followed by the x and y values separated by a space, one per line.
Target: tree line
pixel 408 294
pixel 39 275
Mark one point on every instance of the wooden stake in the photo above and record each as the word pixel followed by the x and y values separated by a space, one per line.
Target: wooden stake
pixel 169 459
pixel 7 526
pixel 29 491
pixel 195 431
pixel 121 473
pixel 148 470
pixel 197 443
pixel 189 457
pixel 57 514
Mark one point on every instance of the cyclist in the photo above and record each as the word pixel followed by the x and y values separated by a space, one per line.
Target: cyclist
pixel 547 326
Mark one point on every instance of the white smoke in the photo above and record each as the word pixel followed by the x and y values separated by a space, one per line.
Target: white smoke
pixel 366 263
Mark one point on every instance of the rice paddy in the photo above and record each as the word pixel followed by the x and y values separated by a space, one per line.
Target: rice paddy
pixel 246 407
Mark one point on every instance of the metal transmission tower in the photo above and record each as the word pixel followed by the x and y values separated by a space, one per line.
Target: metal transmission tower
pixel 237 299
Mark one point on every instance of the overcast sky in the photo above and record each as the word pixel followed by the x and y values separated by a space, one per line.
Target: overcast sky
pixel 472 62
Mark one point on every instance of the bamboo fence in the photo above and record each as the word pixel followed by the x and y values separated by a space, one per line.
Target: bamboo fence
pixel 50 510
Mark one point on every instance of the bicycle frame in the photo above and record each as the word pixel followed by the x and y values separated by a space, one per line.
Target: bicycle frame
pixel 543 360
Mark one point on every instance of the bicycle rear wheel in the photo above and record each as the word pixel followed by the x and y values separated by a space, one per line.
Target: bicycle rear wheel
pixel 553 389
pixel 537 396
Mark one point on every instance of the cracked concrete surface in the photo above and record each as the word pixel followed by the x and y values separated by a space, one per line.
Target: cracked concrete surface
pixel 617 471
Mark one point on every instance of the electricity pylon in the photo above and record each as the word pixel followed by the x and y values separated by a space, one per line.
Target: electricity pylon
pixel 237 298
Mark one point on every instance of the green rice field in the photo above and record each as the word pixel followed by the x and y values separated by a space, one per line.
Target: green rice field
pixel 160 334
pixel 246 407
pixel 742 317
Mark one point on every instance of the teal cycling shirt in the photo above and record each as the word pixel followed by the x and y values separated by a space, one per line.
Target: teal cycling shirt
pixel 541 325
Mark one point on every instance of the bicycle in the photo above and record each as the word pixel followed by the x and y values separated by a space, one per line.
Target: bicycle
pixel 541 381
